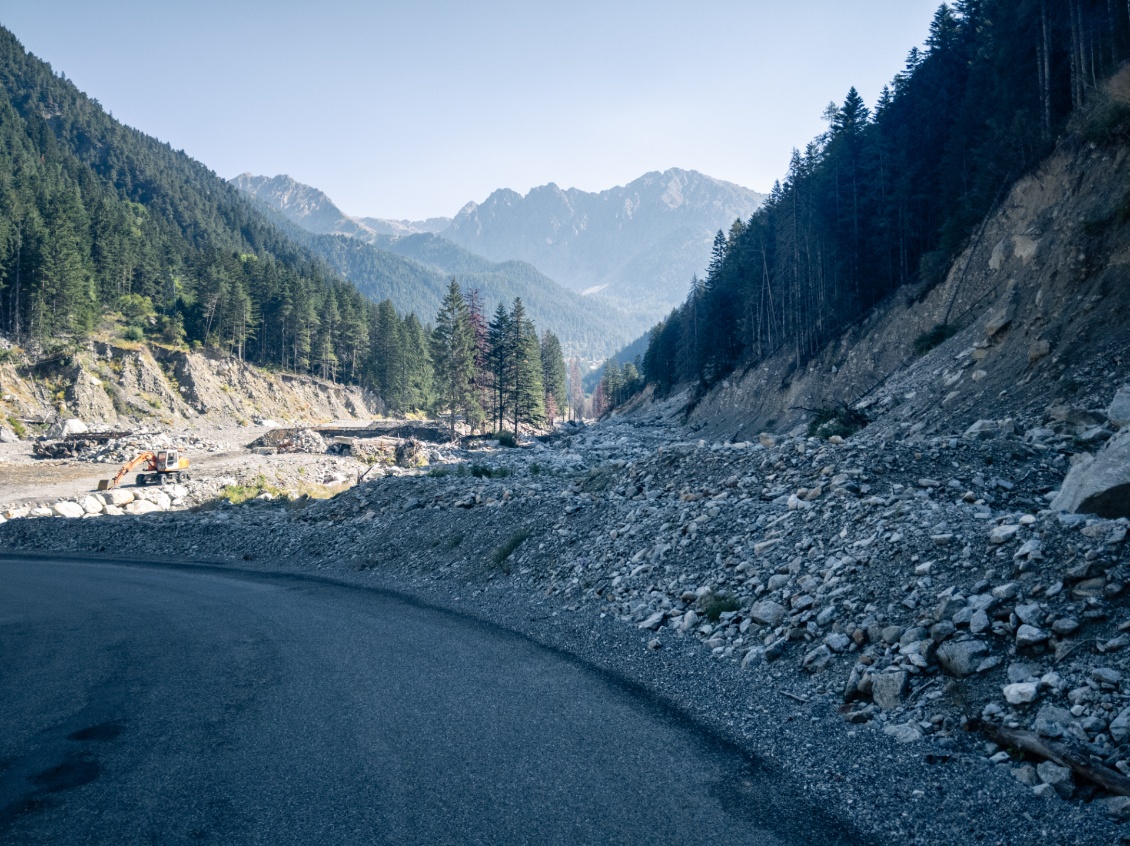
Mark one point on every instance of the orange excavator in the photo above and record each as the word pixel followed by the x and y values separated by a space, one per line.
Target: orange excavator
pixel 162 467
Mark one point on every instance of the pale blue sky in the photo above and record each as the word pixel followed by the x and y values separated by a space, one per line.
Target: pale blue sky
pixel 411 109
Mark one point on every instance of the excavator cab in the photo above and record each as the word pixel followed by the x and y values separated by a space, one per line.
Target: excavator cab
pixel 166 460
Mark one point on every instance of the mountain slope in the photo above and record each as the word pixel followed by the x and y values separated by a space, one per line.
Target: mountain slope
pixel 412 269
pixel 638 244
pixel 315 212
pixel 102 225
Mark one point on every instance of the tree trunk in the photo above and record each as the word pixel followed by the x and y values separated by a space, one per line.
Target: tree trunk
pixel 1043 59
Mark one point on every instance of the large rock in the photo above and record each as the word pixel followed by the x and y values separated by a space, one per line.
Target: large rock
pixel 818 659
pixel 962 657
pixel 1120 726
pixel 68 509
pixel 157 496
pixel 1020 693
pixel 141 506
pixel 982 430
pixel 91 505
pixel 118 497
pixel 888 689
pixel 767 612
pixel 1058 777
pixel 70 426
pixel 1099 484
pixel 1118 412
pixel 7 436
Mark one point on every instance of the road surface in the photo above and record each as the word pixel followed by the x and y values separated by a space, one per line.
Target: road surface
pixel 176 704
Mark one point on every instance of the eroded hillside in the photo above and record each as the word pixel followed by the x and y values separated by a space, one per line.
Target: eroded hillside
pixel 123 385
pixel 1038 306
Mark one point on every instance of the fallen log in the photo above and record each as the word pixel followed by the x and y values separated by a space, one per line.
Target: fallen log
pixel 1106 778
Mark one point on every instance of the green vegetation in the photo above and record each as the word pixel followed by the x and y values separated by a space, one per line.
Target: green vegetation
pixel 617 385
pixel 714 605
pixel 506 438
pixel 840 420
pixel 17 427
pixel 503 552
pixel 935 337
pixel 239 494
pixel 889 195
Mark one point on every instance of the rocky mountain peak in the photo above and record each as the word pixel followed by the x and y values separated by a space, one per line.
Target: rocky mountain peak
pixel 638 243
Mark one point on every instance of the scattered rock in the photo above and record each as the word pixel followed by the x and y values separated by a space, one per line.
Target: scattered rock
pixel 1118 412
pixel 1020 693
pixel 768 613
pixel 888 689
pixel 1058 777
pixel 961 658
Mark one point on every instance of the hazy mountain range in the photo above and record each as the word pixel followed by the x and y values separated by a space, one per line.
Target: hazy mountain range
pixel 638 244
pixel 632 247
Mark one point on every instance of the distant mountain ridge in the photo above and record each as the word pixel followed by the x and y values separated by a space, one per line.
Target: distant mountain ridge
pixel 638 244
pixel 412 270
pixel 315 212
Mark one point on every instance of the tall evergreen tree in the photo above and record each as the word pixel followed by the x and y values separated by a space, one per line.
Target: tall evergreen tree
pixel 553 376
pixel 528 393
pixel 453 355
pixel 501 359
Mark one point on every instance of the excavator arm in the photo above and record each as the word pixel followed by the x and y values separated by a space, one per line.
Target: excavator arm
pixel 146 458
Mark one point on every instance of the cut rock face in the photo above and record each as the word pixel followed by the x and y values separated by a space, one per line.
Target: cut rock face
pixel 1099 484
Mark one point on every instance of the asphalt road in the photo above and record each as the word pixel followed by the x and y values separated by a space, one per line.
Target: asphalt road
pixel 163 704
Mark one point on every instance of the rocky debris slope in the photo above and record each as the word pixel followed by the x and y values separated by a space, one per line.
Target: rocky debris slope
pixel 921 586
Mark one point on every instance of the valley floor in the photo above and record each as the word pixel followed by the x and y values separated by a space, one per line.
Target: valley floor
pixel 848 613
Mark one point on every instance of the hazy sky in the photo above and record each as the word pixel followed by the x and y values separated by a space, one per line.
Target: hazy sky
pixel 410 109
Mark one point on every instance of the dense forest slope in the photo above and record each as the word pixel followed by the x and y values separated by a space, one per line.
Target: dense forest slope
pixel 96 217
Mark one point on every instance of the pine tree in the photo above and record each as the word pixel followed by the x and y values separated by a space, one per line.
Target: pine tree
pixel 501 361
pixel 453 355
pixel 481 389
pixel 528 395
pixel 553 376
pixel 419 376
pixel 576 390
